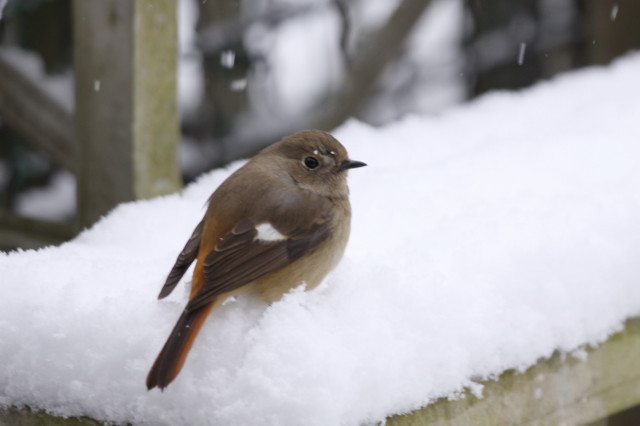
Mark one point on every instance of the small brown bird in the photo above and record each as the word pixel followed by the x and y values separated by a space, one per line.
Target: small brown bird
pixel 280 220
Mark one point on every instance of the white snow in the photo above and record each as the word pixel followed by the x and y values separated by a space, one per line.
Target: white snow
pixel 306 46
pixel 483 239
pixel 614 12
pixel 190 77
pixel 57 201
pixel 521 52
pixel 425 77
pixel 58 87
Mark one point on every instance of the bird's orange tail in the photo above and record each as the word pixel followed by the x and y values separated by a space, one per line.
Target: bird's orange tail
pixel 174 352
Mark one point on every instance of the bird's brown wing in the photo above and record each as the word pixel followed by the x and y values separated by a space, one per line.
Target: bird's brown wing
pixel 184 260
pixel 239 258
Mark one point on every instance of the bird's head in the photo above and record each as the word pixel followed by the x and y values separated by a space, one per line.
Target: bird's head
pixel 316 161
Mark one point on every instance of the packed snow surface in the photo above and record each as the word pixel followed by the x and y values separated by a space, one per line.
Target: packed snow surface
pixel 483 239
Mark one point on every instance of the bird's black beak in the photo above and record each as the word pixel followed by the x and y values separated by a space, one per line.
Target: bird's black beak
pixel 351 164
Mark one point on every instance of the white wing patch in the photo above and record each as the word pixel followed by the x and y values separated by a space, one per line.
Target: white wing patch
pixel 266 232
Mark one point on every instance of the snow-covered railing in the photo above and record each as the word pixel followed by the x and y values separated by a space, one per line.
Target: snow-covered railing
pixel 562 390
pixel 576 389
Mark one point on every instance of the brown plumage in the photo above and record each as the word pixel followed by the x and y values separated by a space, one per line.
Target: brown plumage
pixel 280 220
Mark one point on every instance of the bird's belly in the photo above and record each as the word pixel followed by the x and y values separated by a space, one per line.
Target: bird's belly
pixel 310 269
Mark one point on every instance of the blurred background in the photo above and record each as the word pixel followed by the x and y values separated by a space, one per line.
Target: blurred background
pixel 252 71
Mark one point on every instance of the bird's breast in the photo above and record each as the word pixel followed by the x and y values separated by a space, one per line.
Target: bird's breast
pixel 312 268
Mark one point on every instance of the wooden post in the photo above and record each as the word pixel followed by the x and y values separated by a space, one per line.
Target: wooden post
pixel 126 122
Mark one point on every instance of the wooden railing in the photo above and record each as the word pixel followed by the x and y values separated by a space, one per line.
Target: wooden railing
pixel 563 390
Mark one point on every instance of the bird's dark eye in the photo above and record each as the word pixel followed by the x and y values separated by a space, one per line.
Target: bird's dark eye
pixel 311 162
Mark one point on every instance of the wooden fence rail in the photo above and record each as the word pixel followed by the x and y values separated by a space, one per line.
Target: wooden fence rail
pixel 560 391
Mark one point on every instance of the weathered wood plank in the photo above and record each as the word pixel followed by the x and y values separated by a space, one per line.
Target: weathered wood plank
pixel 562 390
pixel 27 232
pixel 126 108
pixel 30 110
pixel 25 417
